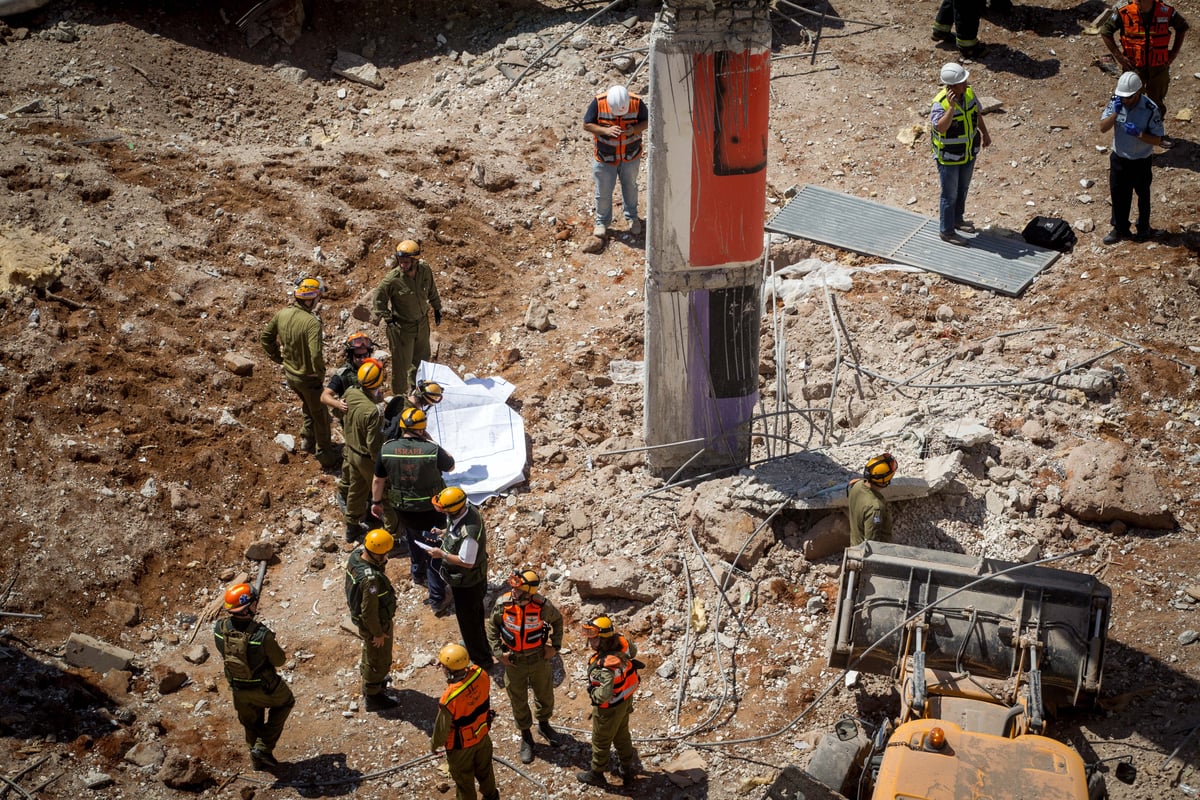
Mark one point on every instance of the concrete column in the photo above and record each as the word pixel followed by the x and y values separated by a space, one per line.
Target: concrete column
pixel 707 160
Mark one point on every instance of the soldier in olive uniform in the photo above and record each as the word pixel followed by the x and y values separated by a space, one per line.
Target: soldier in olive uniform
pixel 364 439
pixel 870 516
pixel 464 560
pixel 403 300
pixel 612 680
pixel 294 338
pixel 373 608
pixel 359 348
pixel 261 698
pixel 408 473
pixel 462 725
pixel 525 631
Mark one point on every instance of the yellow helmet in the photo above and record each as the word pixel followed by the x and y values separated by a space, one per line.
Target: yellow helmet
pixel 430 391
pixel 379 542
pixel 450 500
pixel 412 419
pixel 454 657
pixel 524 580
pixel 370 374
pixel 600 626
pixel 408 248
pixel 309 289
pixel 880 469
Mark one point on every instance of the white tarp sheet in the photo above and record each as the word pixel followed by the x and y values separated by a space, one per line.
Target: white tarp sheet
pixel 474 424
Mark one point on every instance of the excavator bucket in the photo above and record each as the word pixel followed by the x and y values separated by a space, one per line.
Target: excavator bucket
pixel 959 614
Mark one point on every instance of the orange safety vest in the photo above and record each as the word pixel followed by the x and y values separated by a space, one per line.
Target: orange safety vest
pixel 626 147
pixel 625 676
pixel 470 709
pixel 1146 47
pixel 522 629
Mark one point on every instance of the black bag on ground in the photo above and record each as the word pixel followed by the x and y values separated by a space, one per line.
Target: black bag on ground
pixel 1049 232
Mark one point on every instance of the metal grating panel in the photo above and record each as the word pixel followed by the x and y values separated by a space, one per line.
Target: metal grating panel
pixel 999 263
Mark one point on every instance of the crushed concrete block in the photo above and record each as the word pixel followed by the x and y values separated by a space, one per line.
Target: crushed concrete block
pixel 86 651
pixel 238 364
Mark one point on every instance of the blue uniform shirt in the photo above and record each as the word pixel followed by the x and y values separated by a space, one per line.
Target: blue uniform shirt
pixel 1148 119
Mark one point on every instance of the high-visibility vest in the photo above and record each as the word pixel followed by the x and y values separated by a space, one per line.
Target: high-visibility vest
pixel 627 147
pixel 960 142
pixel 625 675
pixel 1146 47
pixel 470 708
pixel 522 628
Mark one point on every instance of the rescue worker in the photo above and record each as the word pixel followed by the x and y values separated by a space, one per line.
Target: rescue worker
pixel 870 516
pixel 525 632
pixel 1137 126
pixel 364 440
pixel 408 473
pixel 1146 45
pixel 616 120
pixel 402 301
pixel 424 396
pixel 261 698
pixel 958 21
pixel 612 680
pixel 294 338
pixel 372 605
pixel 957 134
pixel 461 727
pixel 464 560
pixel 359 347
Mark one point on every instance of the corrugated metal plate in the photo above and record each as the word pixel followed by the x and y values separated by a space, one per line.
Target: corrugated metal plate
pixel 999 263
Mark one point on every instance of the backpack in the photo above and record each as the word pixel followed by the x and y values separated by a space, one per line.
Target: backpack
pixel 1050 232
pixel 238 666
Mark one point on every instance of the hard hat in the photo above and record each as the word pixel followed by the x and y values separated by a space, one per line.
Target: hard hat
pixel 954 74
pixel 370 374
pixel 618 99
pixel 1128 85
pixel 454 657
pixel 450 500
pixel 238 598
pixel 525 580
pixel 408 248
pixel 432 392
pixel 880 469
pixel 598 626
pixel 413 419
pixel 379 542
pixel 359 340
pixel 309 289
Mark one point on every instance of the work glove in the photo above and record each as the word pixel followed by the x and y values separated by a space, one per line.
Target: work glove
pixel 1114 105
pixel 1132 129
pixel 437 317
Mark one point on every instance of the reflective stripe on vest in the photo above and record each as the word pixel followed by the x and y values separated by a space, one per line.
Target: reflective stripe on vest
pixel 469 707
pixel 521 628
pixel 1146 48
pixel 625 677
pixel 413 474
pixel 961 140
pixel 624 148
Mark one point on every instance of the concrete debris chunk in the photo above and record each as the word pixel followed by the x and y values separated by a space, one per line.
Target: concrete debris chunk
pixel 537 316
pixel 354 67
pixel 686 769
pixel 262 550
pixel 167 678
pixel 86 651
pixel 146 754
pixel 238 364
pixel 967 432
pixel 196 655
pixel 96 779
pixel 182 772
pixel 615 577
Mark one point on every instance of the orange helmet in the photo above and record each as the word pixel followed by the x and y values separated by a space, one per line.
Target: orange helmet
pixel 450 500
pixel 359 341
pixel 370 374
pixel 239 598
pixel 880 469
pixel 600 626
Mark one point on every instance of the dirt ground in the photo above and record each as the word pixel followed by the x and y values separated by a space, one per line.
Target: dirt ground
pixel 171 183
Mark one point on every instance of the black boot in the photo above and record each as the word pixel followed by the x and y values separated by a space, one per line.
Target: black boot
pixel 380 702
pixel 549 732
pixel 591 777
pixel 526 747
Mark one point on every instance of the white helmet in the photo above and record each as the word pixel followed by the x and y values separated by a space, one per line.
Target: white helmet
pixel 618 99
pixel 954 74
pixel 1128 85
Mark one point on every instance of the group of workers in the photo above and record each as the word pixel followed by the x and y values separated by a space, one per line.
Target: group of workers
pixel 392 483
pixel 1151 36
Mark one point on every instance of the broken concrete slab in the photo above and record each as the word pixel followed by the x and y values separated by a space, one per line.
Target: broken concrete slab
pixel 1108 481
pixel 86 651
pixel 619 578
pixel 354 67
